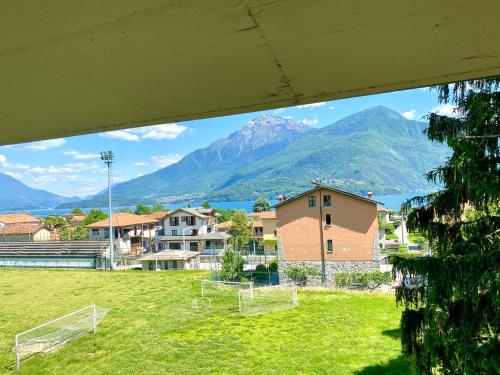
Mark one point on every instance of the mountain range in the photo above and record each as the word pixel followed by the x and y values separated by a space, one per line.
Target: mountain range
pixel 17 196
pixel 374 150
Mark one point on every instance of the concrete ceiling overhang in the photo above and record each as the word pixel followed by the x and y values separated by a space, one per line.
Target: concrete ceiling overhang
pixel 75 67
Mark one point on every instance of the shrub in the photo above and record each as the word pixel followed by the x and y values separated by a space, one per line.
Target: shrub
pixel 364 280
pixel 299 274
pixel 402 249
pixel 273 266
pixel 261 268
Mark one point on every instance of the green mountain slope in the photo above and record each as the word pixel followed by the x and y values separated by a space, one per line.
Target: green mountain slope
pixel 14 195
pixel 374 150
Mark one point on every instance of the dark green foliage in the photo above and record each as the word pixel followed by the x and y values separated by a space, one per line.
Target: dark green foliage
pixel 158 207
pixel 451 320
pixel 364 280
pixel 205 204
pixel 232 265
pixel 142 209
pixel 300 274
pixel 77 211
pixel 93 216
pixel 261 268
pixel 225 215
pixel 261 204
pixel 273 266
pixel 239 230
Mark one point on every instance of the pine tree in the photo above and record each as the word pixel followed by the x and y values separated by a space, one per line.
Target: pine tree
pixel 451 320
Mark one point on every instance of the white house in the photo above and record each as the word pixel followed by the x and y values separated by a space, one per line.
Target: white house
pixel 191 229
pixel 132 233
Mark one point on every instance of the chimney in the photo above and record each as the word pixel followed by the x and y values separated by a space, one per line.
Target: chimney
pixel 281 198
pixel 369 195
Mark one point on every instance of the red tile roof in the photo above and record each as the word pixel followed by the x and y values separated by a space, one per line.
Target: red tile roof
pixel 123 219
pixel 18 218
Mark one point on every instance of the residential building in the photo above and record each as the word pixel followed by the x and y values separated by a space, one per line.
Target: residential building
pixel 19 218
pixel 133 234
pixel 330 229
pixel 24 232
pixel 267 228
pixel 383 218
pixel 171 260
pixel 191 229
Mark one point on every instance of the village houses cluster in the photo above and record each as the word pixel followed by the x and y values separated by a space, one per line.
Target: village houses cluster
pixel 322 226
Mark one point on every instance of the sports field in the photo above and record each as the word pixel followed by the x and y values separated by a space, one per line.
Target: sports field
pixel 152 327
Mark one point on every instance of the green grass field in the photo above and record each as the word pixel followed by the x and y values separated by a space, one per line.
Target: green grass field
pixel 152 328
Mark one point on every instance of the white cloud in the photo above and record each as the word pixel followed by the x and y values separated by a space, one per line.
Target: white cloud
pixel 6 164
pixel 410 115
pixel 330 107
pixel 81 155
pixel 312 105
pixel 3 161
pixel 279 110
pixel 445 110
pixel 45 145
pixel 156 132
pixel 121 134
pixel 163 161
pixel 140 164
pixel 310 122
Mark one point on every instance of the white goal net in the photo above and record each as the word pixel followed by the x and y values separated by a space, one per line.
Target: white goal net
pixel 267 299
pixel 49 336
pixel 211 288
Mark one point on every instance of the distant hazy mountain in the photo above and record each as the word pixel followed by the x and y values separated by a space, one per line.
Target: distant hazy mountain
pixel 14 195
pixel 375 150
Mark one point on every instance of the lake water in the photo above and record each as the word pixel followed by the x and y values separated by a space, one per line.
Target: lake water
pixel 392 202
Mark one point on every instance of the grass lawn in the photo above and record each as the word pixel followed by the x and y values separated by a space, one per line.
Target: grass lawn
pixel 152 328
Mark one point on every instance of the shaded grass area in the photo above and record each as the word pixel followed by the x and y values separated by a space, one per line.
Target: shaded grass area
pixel 152 327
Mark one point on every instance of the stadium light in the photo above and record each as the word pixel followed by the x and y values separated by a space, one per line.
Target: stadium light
pixel 108 158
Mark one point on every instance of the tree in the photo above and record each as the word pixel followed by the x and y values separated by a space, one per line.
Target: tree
pixel 232 265
pixel 451 320
pixel 300 274
pixel 205 204
pixel 77 211
pixel 142 209
pixel 158 207
pixel 126 210
pixel 225 215
pixel 261 204
pixel 93 216
pixel 239 230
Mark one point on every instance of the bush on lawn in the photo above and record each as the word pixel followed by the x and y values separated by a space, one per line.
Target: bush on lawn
pixel 300 274
pixel 363 280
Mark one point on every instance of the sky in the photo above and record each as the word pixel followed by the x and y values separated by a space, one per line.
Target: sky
pixel 72 167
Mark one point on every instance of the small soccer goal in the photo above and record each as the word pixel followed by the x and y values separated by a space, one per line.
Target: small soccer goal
pixel 213 288
pixel 267 299
pixel 50 336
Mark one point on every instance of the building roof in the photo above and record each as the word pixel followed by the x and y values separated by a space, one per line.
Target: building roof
pixel 123 219
pixel 172 255
pixel 382 209
pixel 199 237
pixel 157 215
pixel 318 187
pixel 191 211
pixel 251 223
pixel 21 228
pixel 263 214
pixel 18 218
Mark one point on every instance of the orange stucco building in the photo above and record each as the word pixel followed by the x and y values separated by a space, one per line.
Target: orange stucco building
pixel 330 229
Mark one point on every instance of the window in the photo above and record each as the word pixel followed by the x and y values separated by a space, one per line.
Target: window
pixel 327 201
pixel 328 219
pixel 174 232
pixel 174 264
pixel 330 245
pixel 174 245
pixel 95 232
pixel 209 229
pixel 191 220
pixel 116 233
pixel 312 201
pixel 193 246
pixel 194 232
pixel 174 221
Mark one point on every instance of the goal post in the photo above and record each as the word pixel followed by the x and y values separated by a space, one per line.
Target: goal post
pixel 267 299
pixel 50 335
pixel 224 286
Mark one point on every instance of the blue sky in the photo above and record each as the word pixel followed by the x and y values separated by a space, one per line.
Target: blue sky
pixel 71 166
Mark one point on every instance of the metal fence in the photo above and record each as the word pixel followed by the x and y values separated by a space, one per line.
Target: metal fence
pixel 267 299
pixel 51 335
pixel 208 287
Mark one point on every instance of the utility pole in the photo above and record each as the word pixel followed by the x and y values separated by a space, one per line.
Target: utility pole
pixel 108 158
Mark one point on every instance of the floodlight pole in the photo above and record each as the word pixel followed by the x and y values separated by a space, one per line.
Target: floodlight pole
pixel 107 157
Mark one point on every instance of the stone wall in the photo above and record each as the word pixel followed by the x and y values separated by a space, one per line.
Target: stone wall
pixel 332 267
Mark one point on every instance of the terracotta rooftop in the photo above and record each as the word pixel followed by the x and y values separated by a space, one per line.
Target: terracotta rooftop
pixel 20 228
pixel 123 219
pixel 18 218
pixel 263 214
pixel 227 224
pixel 382 209
pixel 157 215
